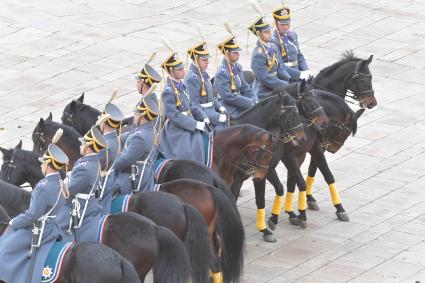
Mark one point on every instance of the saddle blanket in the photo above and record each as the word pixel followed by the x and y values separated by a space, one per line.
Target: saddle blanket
pixel 53 263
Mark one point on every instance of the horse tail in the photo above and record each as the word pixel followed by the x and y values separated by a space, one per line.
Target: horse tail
pixel 230 229
pixel 197 244
pixel 220 184
pixel 172 264
pixel 129 274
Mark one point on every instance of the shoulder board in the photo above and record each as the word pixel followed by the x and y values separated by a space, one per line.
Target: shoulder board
pixel 81 163
pixel 42 183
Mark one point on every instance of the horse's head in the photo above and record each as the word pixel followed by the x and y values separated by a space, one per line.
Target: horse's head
pixel 310 107
pixel 338 130
pixel 258 154
pixel 292 127
pixel 360 84
pixel 9 171
pixel 69 113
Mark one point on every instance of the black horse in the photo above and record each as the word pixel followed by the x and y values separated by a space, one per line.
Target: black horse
pixel 146 245
pixel 350 74
pixel 82 117
pixel 27 170
pixel 44 132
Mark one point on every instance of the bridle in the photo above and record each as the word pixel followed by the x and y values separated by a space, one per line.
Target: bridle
pixel 9 168
pixel 355 95
pixel 41 141
pixel 68 119
pixel 358 95
pixel 285 135
pixel 262 152
pixel 312 115
pixel 326 140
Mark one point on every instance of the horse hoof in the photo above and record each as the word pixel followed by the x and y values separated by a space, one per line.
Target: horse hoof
pixel 312 205
pixel 294 221
pixel 342 216
pixel 269 238
pixel 271 224
pixel 302 223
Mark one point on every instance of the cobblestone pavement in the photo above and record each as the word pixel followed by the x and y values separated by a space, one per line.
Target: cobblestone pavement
pixel 51 51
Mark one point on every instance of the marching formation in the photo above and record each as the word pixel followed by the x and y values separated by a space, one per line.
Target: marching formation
pixel 158 190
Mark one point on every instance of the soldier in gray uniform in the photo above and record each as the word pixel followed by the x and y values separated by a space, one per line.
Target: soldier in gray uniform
pixel 266 62
pixel 236 95
pixel 181 137
pixel 287 42
pixel 83 182
pixel 111 129
pixel 200 88
pixel 139 149
pixel 110 125
pixel 46 200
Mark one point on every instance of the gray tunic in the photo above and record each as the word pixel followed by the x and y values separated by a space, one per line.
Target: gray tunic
pixel 180 139
pixel 15 243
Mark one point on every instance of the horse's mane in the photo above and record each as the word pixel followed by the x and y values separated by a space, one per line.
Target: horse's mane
pixel 258 105
pixel 80 106
pixel 347 56
pixel 69 133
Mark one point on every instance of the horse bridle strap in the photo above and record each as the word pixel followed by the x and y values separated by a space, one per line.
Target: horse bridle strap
pixel 253 167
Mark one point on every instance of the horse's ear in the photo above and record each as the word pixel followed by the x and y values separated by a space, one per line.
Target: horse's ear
pixel 19 145
pixel 369 60
pixel 7 154
pixel 50 117
pixel 81 98
pixel 359 113
pixel 41 123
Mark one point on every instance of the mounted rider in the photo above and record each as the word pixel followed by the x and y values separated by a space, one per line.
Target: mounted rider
pixel 84 183
pixel 181 137
pixel 140 149
pixel 236 95
pixel 287 42
pixel 266 62
pixel 200 88
pixel 25 244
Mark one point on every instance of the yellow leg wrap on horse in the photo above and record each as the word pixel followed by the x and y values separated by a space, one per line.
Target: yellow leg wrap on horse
pixel 277 205
pixel 334 194
pixel 261 219
pixel 302 200
pixel 288 201
pixel 217 277
pixel 309 182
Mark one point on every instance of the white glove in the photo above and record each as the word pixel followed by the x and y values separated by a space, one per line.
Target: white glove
pixel 305 75
pixel 201 126
pixel 222 118
pixel 10 222
pixel 222 109
pixel 207 121
pixel 255 102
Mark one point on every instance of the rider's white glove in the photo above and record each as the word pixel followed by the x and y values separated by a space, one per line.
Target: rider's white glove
pixel 222 118
pixel 207 121
pixel 222 109
pixel 201 126
pixel 305 75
